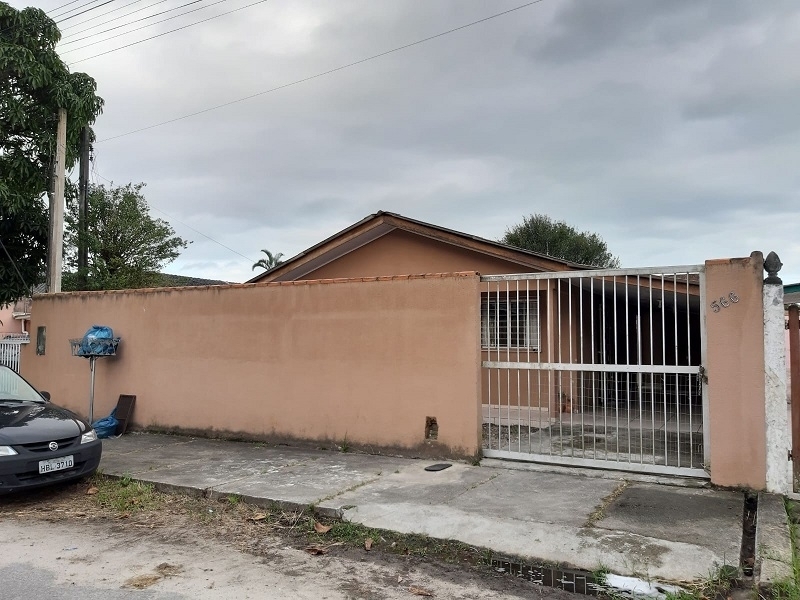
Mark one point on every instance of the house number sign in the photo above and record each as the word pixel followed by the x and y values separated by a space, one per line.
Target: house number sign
pixel 723 302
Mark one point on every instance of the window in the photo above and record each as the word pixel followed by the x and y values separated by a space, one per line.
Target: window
pixel 509 322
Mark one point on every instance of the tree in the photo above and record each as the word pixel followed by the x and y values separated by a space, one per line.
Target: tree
pixel 34 84
pixel 559 240
pixel 126 247
pixel 272 260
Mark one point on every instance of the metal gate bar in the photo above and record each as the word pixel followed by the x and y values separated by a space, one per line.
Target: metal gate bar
pixel 598 368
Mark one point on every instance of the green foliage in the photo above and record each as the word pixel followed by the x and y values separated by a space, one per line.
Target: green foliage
pixel 270 262
pixel 540 233
pixel 126 246
pixel 34 84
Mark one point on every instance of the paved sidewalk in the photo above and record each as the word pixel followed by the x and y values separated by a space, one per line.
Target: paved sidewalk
pixel 659 531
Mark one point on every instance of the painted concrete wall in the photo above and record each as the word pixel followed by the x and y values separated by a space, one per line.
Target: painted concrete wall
pixel 321 360
pixel 735 368
pixel 778 436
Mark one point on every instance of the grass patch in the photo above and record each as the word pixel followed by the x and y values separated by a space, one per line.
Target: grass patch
pixel 125 495
pixel 789 588
pixel 717 585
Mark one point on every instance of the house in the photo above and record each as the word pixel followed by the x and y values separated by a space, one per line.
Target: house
pixel 389 244
pixel 579 364
pixel 399 335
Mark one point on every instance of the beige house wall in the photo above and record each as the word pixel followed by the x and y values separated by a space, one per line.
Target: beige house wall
pixel 367 361
pixel 735 368
pixel 400 252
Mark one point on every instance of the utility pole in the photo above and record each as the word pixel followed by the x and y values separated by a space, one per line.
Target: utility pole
pixel 83 184
pixel 56 250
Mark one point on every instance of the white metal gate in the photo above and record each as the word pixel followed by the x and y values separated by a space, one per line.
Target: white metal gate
pixel 10 352
pixel 599 368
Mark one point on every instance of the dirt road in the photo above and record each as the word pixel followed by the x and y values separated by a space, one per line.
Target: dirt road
pixel 128 542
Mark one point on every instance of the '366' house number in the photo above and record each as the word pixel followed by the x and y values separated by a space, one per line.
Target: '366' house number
pixel 723 302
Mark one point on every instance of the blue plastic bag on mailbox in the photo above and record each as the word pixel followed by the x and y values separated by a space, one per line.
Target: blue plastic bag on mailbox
pixel 97 341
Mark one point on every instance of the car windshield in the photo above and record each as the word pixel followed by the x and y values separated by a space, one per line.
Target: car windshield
pixel 15 389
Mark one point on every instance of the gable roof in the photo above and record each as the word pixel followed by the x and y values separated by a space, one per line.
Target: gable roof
pixel 379 224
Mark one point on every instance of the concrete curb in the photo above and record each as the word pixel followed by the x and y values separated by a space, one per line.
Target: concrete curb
pixel 212 494
pixel 773 541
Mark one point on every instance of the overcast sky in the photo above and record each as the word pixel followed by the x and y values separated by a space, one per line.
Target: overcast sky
pixel 669 127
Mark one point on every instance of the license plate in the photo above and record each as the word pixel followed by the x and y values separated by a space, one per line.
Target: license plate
pixel 56 464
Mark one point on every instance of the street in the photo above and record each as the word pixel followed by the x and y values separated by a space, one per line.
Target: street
pixel 62 558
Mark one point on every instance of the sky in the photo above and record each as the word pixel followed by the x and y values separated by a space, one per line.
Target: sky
pixel 670 128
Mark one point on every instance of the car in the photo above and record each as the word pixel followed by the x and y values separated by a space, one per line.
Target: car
pixel 41 443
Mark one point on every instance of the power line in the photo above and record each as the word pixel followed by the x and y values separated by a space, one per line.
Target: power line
pixel 250 260
pixel 66 12
pixel 100 16
pixel 160 34
pixel 57 8
pixel 324 73
pixel 137 21
pixel 85 11
pixel 14 264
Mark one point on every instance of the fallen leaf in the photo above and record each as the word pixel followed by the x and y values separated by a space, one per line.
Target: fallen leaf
pixel 168 570
pixel 141 582
pixel 258 517
pixel 320 528
pixel 92 491
pixel 316 550
pixel 368 544
pixel 418 591
pixel 124 515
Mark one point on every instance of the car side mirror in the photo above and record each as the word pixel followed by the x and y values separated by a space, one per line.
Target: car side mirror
pixel 45 395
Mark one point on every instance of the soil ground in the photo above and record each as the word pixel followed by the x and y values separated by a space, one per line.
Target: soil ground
pixel 292 544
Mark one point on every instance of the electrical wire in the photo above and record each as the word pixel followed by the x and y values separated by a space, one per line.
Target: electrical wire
pixel 137 21
pixel 160 34
pixel 57 8
pixel 100 16
pixel 14 264
pixel 52 14
pixel 322 74
pixel 248 259
pixel 84 12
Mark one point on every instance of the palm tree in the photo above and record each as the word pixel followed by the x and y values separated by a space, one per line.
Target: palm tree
pixel 272 260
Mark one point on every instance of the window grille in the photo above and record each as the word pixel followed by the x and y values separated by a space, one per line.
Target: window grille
pixel 509 322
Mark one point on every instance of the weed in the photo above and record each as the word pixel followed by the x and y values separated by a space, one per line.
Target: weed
pixel 125 495
pixel 716 585
pixel 789 588
pixel 599 574
pixel 233 499
pixel 345 445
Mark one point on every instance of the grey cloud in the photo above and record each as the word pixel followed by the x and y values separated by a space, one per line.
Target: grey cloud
pixel 660 125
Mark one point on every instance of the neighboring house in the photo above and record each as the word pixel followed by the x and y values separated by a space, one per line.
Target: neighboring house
pixel 14 318
pixel 168 280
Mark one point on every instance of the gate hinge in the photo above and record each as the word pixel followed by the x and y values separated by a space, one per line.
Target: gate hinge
pixel 702 374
